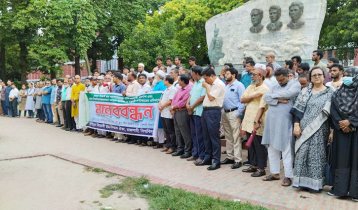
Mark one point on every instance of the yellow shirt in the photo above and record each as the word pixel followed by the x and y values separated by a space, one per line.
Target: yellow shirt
pixel 217 90
pixel 252 108
pixel 75 94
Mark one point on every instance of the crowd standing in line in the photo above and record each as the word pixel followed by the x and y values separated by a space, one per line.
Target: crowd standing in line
pixel 291 113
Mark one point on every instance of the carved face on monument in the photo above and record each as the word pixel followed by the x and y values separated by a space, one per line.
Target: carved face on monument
pixel 256 17
pixel 296 11
pixel 275 13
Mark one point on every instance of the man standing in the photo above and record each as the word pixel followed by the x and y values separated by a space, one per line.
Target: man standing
pixel 75 97
pixel 93 88
pixel 331 61
pixel 213 102
pixel 70 124
pixel 58 102
pixel 182 119
pixel 166 116
pixel 270 59
pixel 46 101
pixel 178 62
pixel 278 131
pixel 125 72
pixel 118 88
pixel 253 120
pixel 195 110
pixel 38 103
pixel 141 69
pixel 160 86
pixel 7 99
pixel 175 74
pixel 317 57
pixel 231 119
pixel 62 104
pixel 143 85
pixel 336 72
pixel 297 60
pixel 303 80
pixel 13 96
pixel 303 68
pixel 101 89
pixel 170 65
pixel 53 101
pixel 159 61
pixel 192 62
pixel 246 79
pixel 133 86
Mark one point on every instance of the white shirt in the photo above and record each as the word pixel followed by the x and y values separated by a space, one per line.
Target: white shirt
pixel 68 93
pixel 143 89
pixel 176 84
pixel 168 94
pixel 102 89
pixel 143 72
pixel 169 68
pixel 14 92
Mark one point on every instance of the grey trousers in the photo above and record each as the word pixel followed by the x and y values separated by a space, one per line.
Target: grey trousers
pixel 182 132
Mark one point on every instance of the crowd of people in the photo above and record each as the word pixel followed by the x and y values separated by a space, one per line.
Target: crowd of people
pixel 290 112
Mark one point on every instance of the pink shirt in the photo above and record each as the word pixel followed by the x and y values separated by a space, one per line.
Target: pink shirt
pixel 181 97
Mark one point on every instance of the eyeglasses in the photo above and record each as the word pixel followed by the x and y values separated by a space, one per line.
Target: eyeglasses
pixel 317 75
pixel 254 74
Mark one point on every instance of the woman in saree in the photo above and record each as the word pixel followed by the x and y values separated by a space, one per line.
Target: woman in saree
pixel 311 127
pixel 344 114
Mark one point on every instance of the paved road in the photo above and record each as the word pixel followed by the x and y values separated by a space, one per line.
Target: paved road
pixel 23 137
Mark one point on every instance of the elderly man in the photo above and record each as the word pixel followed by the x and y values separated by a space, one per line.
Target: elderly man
pixel 75 97
pixel 278 131
pixel 7 100
pixel 38 103
pixel 160 86
pixel 181 118
pixel 213 102
pixel 13 96
pixel 254 120
pixel 270 59
pixel 141 69
pixel 231 118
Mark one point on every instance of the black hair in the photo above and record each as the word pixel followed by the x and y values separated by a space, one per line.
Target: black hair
pixel 133 74
pixel 170 58
pixel 289 63
pixel 319 53
pixel 160 58
pixel 334 60
pixel 95 71
pixel 169 79
pixel 109 71
pixel 248 59
pixel 125 67
pixel 9 80
pixel 298 58
pixel 197 69
pixel 185 78
pixel 232 71
pixel 339 66
pixel 281 71
pixel 251 62
pixel 102 74
pixel 118 75
pixel 314 68
pixel 142 75
pixel 208 72
pixel 176 70
pixel 192 58
pixel 179 57
pixel 304 66
pixel 229 64
pixel 58 80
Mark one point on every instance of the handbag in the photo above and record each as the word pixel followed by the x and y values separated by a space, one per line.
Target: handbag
pixel 251 139
pixel 329 175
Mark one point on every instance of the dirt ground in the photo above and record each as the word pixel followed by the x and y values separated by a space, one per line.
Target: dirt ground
pixel 44 183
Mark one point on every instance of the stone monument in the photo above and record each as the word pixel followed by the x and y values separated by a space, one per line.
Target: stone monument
pixel 285 27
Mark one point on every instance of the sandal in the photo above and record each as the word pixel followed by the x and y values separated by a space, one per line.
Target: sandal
pixel 286 182
pixel 270 178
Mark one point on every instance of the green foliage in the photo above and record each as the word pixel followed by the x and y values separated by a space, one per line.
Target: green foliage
pixel 340 27
pixel 165 197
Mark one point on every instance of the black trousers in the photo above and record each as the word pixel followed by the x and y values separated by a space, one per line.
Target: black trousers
pixel 183 132
pixel 63 104
pixel 70 120
pixel 168 126
pixel 258 152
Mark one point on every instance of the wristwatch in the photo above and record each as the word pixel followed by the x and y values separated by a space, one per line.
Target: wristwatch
pixel 256 122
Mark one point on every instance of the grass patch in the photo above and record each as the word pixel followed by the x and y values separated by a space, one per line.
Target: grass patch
pixel 96 170
pixel 165 197
pixel 110 175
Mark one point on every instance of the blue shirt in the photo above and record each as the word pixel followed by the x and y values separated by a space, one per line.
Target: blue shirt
pixel 119 88
pixel 232 99
pixel 46 99
pixel 160 86
pixel 196 92
pixel 53 94
pixel 7 94
pixel 246 80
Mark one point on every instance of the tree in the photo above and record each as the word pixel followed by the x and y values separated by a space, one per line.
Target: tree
pixel 339 29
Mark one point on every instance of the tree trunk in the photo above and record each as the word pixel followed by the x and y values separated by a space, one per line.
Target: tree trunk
pixel 88 67
pixel 53 74
pixel 77 65
pixel 94 57
pixel 23 62
pixel 120 64
pixel 2 62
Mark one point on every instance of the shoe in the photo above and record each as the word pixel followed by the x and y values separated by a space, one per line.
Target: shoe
pixel 109 137
pixel 68 129
pixel 119 141
pixel 177 153
pixel 259 173
pixel 247 163
pixel 56 124
pixel 227 161
pixel 64 128
pixel 143 145
pixel 164 149
pixel 331 192
pixel 185 156
pixel 101 136
pixel 250 170
pixel 198 160
pixel 59 125
pixel 236 165
pixel 170 151
pixel 126 141
pixel 79 130
pixel 131 142
pixel 191 158
pixel 214 166
pixel 158 146
pixel 74 130
pixel 355 199
pixel 203 163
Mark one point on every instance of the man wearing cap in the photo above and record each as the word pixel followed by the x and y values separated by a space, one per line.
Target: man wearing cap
pixel 160 84
pixel 141 69
pixel 150 78
pixel 254 120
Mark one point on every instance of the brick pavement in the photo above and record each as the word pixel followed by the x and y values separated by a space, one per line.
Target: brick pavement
pixel 21 138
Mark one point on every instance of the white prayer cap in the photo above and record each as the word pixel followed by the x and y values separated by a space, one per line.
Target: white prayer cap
pixel 258 65
pixel 161 73
pixel 141 64
pixel 150 75
pixel 100 77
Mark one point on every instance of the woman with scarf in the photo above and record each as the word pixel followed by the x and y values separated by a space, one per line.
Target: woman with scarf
pixel 311 127
pixel 30 100
pixel 344 113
